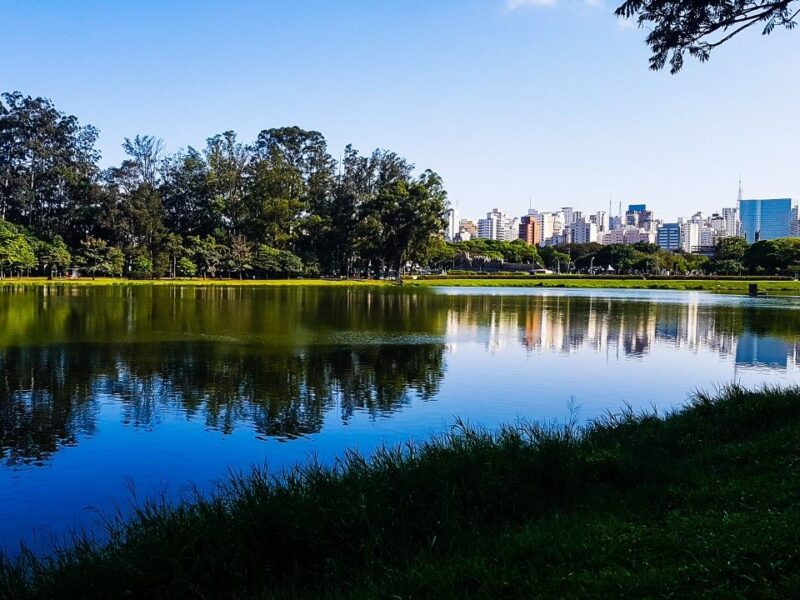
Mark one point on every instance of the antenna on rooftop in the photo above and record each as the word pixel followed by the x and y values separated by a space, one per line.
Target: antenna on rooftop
pixel 740 188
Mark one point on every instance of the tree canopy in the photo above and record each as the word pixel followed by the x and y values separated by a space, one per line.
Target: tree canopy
pixel 223 208
pixel 698 27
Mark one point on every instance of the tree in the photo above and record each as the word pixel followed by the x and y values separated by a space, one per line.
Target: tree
pixel 15 250
pixel 240 256
pixel 409 217
pixel 772 256
pixel 700 26
pixel 47 165
pixel 273 261
pixel 145 153
pixel 207 253
pixel 186 268
pixel 275 200
pixel 115 262
pixel 728 266
pixel 141 266
pixel 227 161
pixel 554 258
pixel 173 246
pixel 187 194
pixel 731 248
pixel 94 256
pixel 52 256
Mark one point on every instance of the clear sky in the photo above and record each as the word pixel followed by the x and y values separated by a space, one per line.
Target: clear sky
pixel 506 99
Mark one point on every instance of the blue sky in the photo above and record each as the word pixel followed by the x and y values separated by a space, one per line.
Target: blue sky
pixel 506 99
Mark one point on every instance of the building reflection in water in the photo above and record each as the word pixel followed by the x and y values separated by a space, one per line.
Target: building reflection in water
pixel 567 324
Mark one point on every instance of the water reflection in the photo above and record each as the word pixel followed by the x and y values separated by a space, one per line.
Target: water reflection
pixel 48 393
pixel 283 361
pixel 569 324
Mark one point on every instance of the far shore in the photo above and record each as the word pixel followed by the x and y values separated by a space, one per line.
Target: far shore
pixel 737 286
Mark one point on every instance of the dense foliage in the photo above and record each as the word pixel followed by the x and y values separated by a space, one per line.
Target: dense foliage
pixel 698 26
pixel 278 206
pixel 733 256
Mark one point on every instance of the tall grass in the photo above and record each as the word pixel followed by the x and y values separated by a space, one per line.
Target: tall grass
pixel 325 530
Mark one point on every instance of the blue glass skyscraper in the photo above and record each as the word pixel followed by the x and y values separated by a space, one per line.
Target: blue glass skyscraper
pixel 766 219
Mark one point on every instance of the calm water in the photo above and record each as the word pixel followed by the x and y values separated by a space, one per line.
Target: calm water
pixel 108 390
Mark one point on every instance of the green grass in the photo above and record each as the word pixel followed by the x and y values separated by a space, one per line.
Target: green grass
pixel 704 503
pixel 106 281
pixel 711 285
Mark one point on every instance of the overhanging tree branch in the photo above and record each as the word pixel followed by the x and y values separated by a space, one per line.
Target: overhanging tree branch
pixel 680 26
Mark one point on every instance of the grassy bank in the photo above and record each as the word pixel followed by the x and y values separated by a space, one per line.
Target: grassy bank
pixel 710 285
pixel 703 503
pixel 104 281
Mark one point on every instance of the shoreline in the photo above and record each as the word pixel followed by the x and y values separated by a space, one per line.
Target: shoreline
pixel 670 505
pixel 783 287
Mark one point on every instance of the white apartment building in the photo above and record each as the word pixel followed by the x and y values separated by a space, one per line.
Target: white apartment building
pixel 452 227
pixel 732 224
pixel 583 232
pixel 629 235
pixel 600 219
pixel 498 226
pixel 690 235
pixel 707 238
pixel 546 221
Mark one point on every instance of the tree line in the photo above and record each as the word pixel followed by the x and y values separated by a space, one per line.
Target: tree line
pixel 732 256
pixel 278 206
pixel 281 206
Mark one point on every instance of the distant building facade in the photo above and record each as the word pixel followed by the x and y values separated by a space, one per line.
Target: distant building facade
pixel 452 227
pixel 498 226
pixel 529 230
pixel 669 236
pixel 765 219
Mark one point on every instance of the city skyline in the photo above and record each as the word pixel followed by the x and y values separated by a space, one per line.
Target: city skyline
pixel 506 101
pixel 751 218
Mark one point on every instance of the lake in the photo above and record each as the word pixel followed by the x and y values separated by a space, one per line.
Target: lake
pixel 111 393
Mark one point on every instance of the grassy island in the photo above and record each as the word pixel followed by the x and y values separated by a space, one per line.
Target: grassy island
pixel 702 503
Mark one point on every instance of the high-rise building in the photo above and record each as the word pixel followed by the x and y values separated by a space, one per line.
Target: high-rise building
pixel 765 219
pixel 707 238
pixel 583 232
pixel 669 236
pixel 600 219
pixel 529 230
pixel 731 216
pixel 638 216
pixel 718 224
pixel 451 229
pixel 546 225
pixel 690 236
pixel 794 228
pixel 569 215
pixel 498 226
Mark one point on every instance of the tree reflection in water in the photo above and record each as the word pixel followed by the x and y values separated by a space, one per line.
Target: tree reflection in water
pixel 282 360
